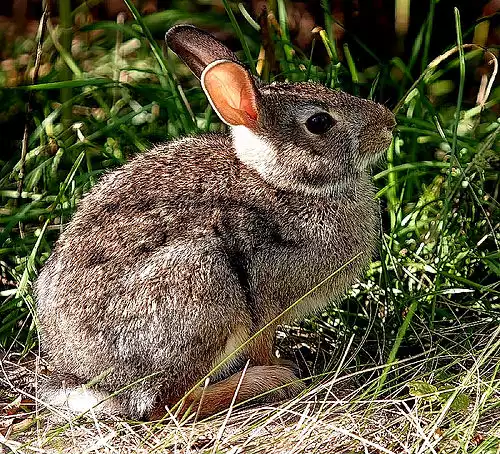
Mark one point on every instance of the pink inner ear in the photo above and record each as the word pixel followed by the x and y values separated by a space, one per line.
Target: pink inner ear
pixel 247 103
pixel 232 93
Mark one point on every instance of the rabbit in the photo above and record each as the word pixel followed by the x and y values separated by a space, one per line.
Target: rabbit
pixel 174 261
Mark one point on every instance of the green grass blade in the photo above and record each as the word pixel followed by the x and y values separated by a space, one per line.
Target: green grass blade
pixel 241 37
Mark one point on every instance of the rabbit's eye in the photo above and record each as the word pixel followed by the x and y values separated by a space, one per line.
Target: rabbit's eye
pixel 320 123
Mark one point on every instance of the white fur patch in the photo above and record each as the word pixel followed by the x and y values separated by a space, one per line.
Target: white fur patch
pixel 254 151
pixel 80 400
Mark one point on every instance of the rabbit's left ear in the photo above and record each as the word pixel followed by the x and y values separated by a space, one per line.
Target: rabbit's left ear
pixel 231 92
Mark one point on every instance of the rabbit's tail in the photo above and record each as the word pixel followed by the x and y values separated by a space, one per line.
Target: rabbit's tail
pixel 66 397
pixel 257 383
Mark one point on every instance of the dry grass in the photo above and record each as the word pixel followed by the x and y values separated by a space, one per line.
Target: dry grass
pixel 339 413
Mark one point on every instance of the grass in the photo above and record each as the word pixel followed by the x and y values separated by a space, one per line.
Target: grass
pixel 407 362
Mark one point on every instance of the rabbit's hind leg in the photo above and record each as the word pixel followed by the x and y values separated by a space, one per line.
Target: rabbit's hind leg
pixel 262 383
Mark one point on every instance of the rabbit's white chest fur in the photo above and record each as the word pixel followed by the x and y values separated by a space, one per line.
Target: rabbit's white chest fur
pixel 252 150
pixel 320 230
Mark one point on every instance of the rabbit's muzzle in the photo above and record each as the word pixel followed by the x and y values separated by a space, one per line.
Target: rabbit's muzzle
pixel 376 136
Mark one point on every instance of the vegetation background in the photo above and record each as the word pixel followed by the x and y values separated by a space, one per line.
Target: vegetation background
pixel 409 360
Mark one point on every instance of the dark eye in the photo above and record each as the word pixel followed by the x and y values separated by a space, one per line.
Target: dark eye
pixel 320 123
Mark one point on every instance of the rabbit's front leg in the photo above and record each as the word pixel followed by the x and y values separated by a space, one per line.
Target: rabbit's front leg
pixel 262 352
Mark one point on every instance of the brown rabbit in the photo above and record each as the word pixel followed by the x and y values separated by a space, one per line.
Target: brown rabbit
pixel 177 258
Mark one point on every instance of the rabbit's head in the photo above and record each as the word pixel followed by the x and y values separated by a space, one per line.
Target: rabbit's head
pixel 296 136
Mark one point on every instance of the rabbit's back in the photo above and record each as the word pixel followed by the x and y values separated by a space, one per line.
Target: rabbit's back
pixel 140 281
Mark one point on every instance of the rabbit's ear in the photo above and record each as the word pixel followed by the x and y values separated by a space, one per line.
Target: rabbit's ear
pixel 196 48
pixel 232 93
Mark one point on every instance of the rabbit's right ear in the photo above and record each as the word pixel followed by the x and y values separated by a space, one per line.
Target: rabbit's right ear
pixel 231 92
pixel 196 48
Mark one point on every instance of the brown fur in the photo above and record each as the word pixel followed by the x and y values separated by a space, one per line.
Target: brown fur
pixel 174 260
